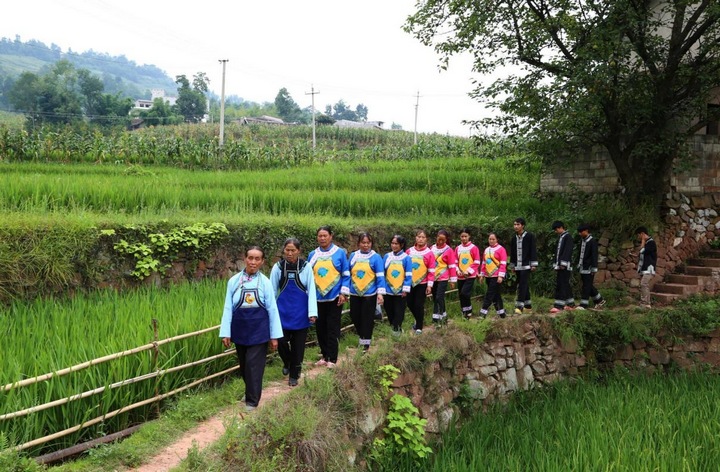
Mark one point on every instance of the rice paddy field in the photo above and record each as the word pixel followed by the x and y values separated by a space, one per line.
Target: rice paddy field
pixel 45 336
pixel 639 423
pixel 59 188
pixel 417 191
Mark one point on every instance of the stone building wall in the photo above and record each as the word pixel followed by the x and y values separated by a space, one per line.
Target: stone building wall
pixel 594 172
pixel 534 358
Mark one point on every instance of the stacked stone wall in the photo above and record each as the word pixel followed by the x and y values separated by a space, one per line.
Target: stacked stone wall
pixel 691 223
pixel 533 359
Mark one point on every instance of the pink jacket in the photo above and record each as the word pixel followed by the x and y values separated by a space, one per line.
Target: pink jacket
pixel 446 263
pixel 494 262
pixel 468 257
pixel 423 266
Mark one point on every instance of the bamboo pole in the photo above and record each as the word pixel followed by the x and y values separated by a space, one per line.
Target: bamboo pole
pixel 99 419
pixel 122 383
pixel 100 360
pixel 156 356
pixel 78 448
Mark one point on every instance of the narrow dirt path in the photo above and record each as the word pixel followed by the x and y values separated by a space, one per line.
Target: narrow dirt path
pixel 213 428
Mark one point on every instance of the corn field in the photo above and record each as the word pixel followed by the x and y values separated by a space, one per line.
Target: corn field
pixel 246 147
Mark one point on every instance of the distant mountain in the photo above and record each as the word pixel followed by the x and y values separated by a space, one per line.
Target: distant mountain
pixel 118 73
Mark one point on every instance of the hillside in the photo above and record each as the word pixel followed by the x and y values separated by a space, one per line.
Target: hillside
pixel 118 73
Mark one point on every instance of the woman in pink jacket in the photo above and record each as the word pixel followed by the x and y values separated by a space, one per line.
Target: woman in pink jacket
pixel 468 257
pixel 445 272
pixel 423 277
pixel 492 268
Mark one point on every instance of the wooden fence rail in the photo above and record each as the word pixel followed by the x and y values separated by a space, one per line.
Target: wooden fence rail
pixel 100 360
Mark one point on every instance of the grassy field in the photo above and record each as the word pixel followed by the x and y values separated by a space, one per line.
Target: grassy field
pixel 45 335
pixel 633 423
pixel 420 191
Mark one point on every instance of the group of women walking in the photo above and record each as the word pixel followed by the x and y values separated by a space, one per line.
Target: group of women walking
pixel 278 311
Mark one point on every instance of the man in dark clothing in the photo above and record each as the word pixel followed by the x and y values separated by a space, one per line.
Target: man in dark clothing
pixel 523 261
pixel 563 269
pixel 646 264
pixel 588 266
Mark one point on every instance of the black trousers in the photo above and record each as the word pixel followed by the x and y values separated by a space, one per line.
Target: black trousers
pixel 438 293
pixel 493 297
pixel 588 290
pixel 563 290
pixel 362 313
pixel 523 289
pixel 416 304
pixel 395 309
pixel 252 368
pixel 292 350
pixel 465 290
pixel 328 329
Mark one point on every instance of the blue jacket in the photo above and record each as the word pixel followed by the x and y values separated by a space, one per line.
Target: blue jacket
pixel 398 273
pixel 266 298
pixel 332 272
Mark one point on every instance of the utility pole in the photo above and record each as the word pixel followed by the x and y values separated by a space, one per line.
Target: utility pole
pixel 417 104
pixel 222 104
pixel 313 93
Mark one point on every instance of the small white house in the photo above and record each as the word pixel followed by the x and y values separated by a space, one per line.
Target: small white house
pixel 143 104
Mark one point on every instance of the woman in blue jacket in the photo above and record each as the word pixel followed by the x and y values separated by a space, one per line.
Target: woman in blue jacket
pixel 292 279
pixel 250 320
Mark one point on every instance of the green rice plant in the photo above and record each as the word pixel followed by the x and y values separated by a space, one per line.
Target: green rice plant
pixel 47 335
pixel 434 189
pixel 659 422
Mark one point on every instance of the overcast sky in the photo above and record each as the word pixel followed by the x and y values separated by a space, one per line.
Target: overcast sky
pixel 350 50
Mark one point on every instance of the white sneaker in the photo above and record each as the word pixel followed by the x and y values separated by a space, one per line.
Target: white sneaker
pixel 321 362
pixel 330 365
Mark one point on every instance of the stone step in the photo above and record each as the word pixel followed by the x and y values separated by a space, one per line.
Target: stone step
pixel 664 298
pixel 697 270
pixel 704 262
pixel 683 279
pixel 679 289
pixel 711 253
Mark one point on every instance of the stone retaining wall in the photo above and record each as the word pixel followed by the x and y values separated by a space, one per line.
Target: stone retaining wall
pixel 533 359
pixel 691 223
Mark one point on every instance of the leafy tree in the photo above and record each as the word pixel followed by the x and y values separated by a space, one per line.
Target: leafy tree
pixel 362 112
pixel 52 98
pixel 634 76
pixel 396 126
pixel 286 107
pixel 341 111
pixel 6 84
pixel 67 95
pixel 112 110
pixel 323 119
pixel 191 102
